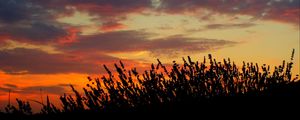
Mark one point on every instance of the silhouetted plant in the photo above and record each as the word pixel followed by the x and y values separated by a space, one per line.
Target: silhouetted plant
pixel 23 108
pixel 193 84
pixel 49 108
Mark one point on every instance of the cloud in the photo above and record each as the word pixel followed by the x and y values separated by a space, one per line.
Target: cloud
pixel 10 85
pixel 100 7
pixel 22 11
pixel 177 45
pixel 283 10
pixel 112 8
pixel 34 33
pixel 110 42
pixel 45 89
pixel 9 88
pixel 10 11
pixel 287 15
pixel 186 44
pixel 111 26
pixel 5 89
pixel 229 26
pixel 26 21
pixel 222 27
pixel 131 41
pixel 34 61
pixel 65 85
pixel 107 10
pixel 53 89
pixel 88 53
pixel 35 21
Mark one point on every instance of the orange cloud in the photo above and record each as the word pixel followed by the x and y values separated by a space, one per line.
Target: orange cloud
pixel 112 27
pixel 3 37
pixel 70 37
pixel 289 15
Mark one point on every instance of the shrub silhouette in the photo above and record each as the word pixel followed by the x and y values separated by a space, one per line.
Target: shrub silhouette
pixel 192 86
pixel 23 108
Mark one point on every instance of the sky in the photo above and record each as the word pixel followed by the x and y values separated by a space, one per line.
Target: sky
pixel 45 45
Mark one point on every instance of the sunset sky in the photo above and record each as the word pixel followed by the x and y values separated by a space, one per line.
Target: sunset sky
pixel 47 44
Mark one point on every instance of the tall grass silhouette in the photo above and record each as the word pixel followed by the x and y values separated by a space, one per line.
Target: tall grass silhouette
pixel 195 85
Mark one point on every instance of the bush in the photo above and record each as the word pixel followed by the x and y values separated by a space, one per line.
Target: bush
pixel 197 86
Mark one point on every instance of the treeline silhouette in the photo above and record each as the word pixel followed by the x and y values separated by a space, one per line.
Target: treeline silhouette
pixel 193 86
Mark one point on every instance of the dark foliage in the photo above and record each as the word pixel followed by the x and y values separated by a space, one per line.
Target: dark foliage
pixel 193 86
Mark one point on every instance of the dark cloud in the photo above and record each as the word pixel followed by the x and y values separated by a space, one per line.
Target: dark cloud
pixel 34 33
pixel 99 7
pixel 284 10
pixel 33 61
pixel 36 89
pixel 113 10
pixel 174 46
pixel 34 21
pixel 229 26
pixel 111 42
pixel 9 88
pixel 181 43
pixel 108 10
pixel 13 11
pixel 128 41
pixel 65 85
pixel 25 21
pixel 16 10
pixel 45 89
pixel 5 89
pixel 10 85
